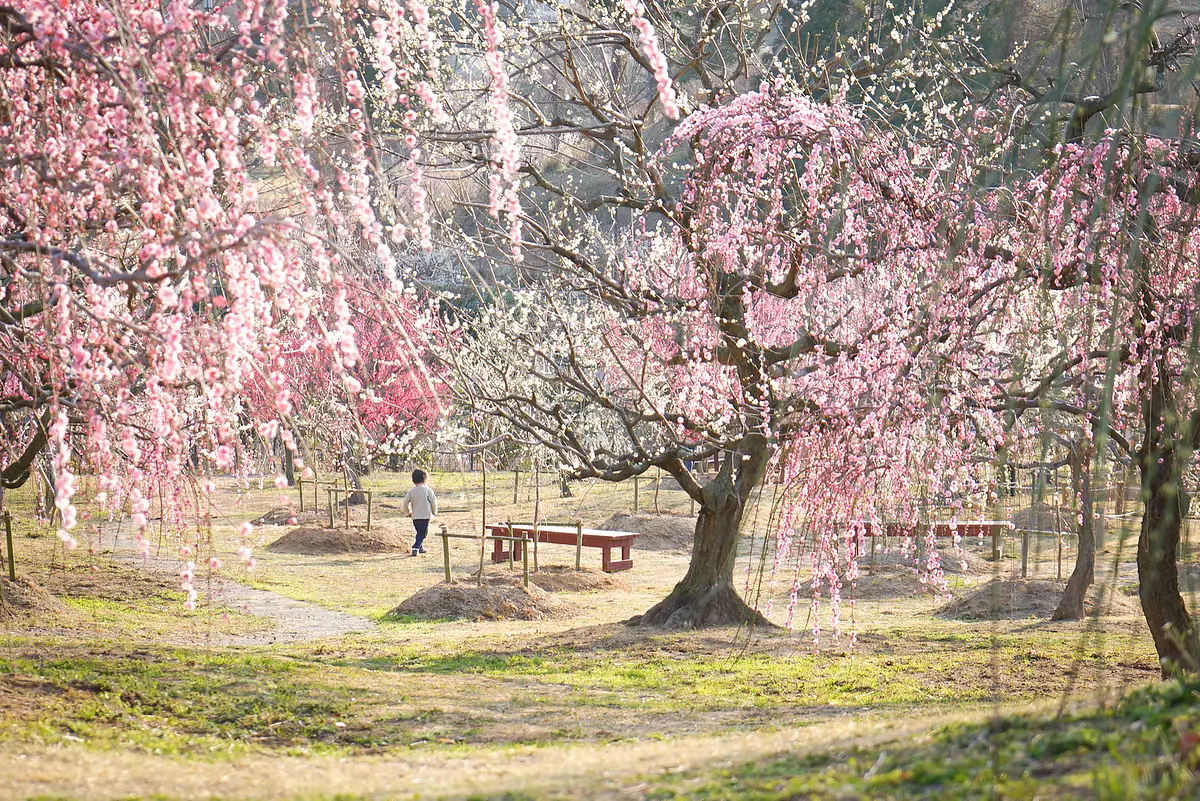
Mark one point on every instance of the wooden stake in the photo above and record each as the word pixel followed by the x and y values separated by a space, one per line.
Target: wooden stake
pixel 347 492
pixel 300 486
pixel 12 559
pixel 516 483
pixel 1024 554
pixel 525 562
pixel 446 551
pixel 330 491
pixel 483 531
pixel 635 494
pixel 578 544
pixel 537 507
pixel 370 497
pixel 511 545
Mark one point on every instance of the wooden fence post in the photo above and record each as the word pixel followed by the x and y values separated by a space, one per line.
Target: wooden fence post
pixel 370 498
pixel 329 491
pixel 511 544
pixel 446 551
pixel 484 530
pixel 536 537
pixel 635 494
pixel 578 544
pixel 300 486
pixel 1025 554
pixel 525 562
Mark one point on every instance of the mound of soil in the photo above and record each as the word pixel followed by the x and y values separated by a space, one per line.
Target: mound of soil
pixel 1044 518
pixel 557 578
pixel 967 563
pixel 658 532
pixel 24 598
pixel 315 541
pixel 283 516
pixel 1001 599
pixel 886 585
pixel 509 600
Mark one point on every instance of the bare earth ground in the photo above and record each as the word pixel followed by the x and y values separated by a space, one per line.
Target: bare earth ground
pixel 125 694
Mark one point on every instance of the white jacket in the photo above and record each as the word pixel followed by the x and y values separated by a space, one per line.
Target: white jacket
pixel 420 502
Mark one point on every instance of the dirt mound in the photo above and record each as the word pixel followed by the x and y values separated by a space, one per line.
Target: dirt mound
pixel 1044 518
pixel 1001 599
pixel 495 600
pixel 967 563
pixel 886 585
pixel 559 578
pixel 314 541
pixel 24 598
pixel 283 516
pixel 658 532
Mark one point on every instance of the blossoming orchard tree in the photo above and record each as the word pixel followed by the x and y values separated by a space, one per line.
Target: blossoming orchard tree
pixel 585 111
pixel 173 188
pixel 767 317
pixel 381 405
pixel 1106 239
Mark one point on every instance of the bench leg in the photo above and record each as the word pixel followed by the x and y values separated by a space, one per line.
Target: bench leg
pixel 606 559
pixel 498 552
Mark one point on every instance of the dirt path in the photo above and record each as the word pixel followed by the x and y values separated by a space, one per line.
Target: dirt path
pixel 295 621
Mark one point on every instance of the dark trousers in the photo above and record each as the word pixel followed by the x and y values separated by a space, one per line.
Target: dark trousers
pixel 422 528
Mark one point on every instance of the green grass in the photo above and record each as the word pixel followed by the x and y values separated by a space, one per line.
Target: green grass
pixel 1144 747
pixel 176 701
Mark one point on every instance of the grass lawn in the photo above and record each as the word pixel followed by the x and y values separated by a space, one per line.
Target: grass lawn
pixel 119 692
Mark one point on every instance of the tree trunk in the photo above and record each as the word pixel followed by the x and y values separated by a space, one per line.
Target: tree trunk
pixel 286 463
pixel 1171 626
pixel 706 595
pixel 1084 574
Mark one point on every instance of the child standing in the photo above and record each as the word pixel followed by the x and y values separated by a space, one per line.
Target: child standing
pixel 421 503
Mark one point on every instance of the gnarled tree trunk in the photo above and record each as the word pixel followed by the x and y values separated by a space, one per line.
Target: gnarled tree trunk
pixel 706 595
pixel 1171 626
pixel 1084 574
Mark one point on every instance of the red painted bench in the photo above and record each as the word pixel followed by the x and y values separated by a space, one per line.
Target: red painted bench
pixel 567 535
pixel 965 528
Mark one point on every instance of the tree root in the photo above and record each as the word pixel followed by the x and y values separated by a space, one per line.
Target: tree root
pixel 719 605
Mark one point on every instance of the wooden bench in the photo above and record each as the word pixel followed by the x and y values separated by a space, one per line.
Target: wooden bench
pixel 567 535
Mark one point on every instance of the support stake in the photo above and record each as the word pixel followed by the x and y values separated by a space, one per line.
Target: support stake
pixel 578 544
pixel 12 559
pixel 525 562
pixel 446 551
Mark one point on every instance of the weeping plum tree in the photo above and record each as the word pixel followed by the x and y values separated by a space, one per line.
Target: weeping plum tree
pixel 785 314
pixel 1106 239
pixel 581 110
pixel 170 220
